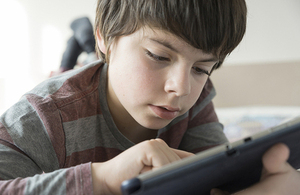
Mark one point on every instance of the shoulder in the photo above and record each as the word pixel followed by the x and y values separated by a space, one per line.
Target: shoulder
pixel 70 83
pixel 72 95
pixel 41 112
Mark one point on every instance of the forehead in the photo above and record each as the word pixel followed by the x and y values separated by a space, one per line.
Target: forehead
pixel 147 33
pixel 168 39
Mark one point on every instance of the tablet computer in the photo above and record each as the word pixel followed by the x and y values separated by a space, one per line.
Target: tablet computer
pixel 230 167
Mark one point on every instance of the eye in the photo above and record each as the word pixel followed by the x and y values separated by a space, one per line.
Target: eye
pixel 200 71
pixel 156 57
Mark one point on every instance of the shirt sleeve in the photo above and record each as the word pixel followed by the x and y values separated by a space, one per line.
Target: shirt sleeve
pixel 28 161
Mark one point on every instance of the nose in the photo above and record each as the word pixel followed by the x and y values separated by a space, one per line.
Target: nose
pixel 178 82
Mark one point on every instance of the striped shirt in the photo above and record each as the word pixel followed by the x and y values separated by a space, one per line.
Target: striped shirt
pixel 50 137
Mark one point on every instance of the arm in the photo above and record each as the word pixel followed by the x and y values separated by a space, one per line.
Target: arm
pixel 277 178
pixel 26 152
pixel 19 174
pixel 74 180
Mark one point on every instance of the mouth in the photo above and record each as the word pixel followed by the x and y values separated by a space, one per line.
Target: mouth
pixel 165 112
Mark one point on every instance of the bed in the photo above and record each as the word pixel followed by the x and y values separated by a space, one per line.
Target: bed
pixel 254 97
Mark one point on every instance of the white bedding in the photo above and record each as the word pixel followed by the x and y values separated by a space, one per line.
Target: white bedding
pixel 244 121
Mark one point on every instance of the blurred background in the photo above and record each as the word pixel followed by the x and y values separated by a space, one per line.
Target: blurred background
pixel 34 34
pixel 33 37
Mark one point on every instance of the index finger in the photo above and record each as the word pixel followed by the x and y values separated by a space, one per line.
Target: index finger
pixel 181 153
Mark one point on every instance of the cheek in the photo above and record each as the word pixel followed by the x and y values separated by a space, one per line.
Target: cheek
pixel 196 91
pixel 143 81
pixel 134 81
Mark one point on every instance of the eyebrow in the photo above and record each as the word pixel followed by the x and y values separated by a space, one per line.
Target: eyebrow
pixel 165 43
pixel 171 47
pixel 212 59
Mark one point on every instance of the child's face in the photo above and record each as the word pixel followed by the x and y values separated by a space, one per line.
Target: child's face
pixel 153 77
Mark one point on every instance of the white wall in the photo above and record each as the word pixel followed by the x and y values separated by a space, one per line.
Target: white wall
pixel 273 33
pixel 33 37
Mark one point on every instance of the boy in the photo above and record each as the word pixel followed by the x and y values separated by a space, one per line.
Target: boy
pixel 152 83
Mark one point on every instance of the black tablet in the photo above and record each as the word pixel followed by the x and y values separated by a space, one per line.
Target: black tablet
pixel 230 167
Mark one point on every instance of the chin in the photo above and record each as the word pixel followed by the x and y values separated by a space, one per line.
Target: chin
pixel 155 125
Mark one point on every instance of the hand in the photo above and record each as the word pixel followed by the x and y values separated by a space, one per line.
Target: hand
pixel 145 156
pixel 278 177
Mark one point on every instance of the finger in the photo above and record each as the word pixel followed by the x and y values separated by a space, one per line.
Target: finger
pixel 164 152
pixel 274 160
pixel 159 154
pixel 156 153
pixel 275 166
pixel 146 169
pixel 261 188
pixel 182 154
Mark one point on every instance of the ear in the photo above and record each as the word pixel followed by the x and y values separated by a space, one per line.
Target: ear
pixel 100 42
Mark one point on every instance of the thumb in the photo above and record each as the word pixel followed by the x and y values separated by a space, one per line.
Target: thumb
pixel 275 159
pixel 274 172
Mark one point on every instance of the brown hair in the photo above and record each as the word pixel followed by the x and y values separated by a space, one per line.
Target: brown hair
pixel 214 26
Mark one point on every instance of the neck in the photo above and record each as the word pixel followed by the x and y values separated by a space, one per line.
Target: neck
pixel 131 129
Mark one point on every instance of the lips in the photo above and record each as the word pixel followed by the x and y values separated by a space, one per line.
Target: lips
pixel 165 112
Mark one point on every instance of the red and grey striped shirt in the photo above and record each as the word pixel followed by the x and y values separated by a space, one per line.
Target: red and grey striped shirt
pixel 50 137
